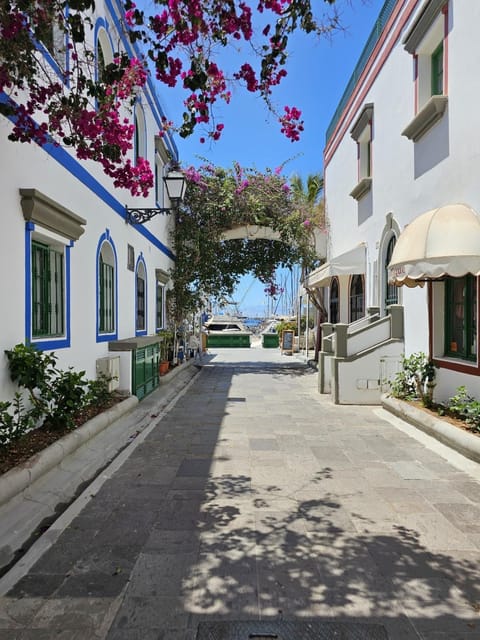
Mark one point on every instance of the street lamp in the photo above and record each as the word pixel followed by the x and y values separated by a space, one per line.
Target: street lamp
pixel 175 185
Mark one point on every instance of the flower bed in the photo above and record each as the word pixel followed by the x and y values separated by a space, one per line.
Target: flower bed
pixel 451 431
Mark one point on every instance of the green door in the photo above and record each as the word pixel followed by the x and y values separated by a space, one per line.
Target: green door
pixel 145 370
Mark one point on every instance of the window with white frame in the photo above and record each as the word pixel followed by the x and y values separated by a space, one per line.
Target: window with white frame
pixel 362 133
pixel 334 301
pixel 426 41
pixel 429 60
pixel 162 278
pixel 391 291
pixel 140 133
pixel 106 289
pixel 159 184
pixel 161 161
pixel 103 52
pixel 160 305
pixel 140 297
pixel 357 298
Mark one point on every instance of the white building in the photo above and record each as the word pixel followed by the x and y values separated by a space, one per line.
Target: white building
pixel 404 141
pixel 76 278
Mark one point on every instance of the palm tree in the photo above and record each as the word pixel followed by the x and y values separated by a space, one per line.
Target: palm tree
pixel 314 187
pixel 310 202
pixel 309 197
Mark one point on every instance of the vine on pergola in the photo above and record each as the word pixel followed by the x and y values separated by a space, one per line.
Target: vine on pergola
pixel 220 199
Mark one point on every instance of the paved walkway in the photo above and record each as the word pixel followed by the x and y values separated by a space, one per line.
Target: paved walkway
pixel 255 498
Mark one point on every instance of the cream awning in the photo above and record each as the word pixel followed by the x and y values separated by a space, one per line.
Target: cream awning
pixel 440 242
pixel 345 264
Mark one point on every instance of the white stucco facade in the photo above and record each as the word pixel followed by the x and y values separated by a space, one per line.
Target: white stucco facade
pixel 132 250
pixel 407 177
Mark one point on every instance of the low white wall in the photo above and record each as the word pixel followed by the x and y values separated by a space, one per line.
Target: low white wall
pixel 360 381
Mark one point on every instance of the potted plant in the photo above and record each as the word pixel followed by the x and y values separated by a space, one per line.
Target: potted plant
pixel 166 345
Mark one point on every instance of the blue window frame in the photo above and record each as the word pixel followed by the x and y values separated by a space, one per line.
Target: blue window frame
pixel 106 289
pixel 47 290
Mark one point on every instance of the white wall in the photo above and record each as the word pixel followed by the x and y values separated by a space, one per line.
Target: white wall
pixel 87 192
pixel 408 178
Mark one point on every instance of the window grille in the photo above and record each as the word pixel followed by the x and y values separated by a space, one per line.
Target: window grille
pixel 47 291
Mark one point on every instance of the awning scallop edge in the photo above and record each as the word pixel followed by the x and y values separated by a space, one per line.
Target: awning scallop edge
pixel 441 242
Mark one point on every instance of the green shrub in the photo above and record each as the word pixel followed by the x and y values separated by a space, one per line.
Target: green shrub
pixel 466 407
pixel 15 420
pixel 415 380
pixel 56 396
pixel 97 391
pixel 286 325
pixel 67 399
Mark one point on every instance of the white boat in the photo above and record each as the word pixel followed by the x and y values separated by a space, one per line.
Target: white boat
pixel 226 324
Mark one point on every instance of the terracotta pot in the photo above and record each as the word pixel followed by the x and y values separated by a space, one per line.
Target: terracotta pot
pixel 163 367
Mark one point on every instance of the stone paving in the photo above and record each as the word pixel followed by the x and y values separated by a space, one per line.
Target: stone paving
pixel 255 498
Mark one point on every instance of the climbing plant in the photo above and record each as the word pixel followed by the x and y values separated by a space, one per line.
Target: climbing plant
pixel 219 199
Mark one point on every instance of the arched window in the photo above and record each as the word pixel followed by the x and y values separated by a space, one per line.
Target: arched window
pixel 140 133
pixel 103 51
pixel 106 289
pixel 334 301
pixel 140 297
pixel 391 291
pixel 357 298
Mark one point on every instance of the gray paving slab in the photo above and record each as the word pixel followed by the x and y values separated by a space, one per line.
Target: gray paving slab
pixel 254 498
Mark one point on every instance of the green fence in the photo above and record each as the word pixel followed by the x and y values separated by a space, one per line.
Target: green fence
pixel 270 340
pixel 228 340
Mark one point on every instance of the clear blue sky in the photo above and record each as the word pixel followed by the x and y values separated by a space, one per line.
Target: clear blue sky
pixel 318 72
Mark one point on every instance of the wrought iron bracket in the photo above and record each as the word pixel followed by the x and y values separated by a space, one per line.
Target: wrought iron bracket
pixel 134 215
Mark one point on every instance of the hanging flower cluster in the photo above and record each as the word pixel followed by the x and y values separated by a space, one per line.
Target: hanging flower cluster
pixel 61 93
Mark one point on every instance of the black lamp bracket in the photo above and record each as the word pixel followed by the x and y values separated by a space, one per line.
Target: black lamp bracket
pixel 134 215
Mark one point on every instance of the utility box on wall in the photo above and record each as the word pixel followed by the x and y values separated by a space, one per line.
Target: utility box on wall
pixel 110 367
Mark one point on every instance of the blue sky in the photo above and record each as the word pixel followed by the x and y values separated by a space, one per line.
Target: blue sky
pixel 318 72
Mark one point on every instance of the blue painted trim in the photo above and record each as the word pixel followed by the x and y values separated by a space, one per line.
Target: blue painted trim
pixel 29 227
pixel 44 344
pixel 82 175
pixel 50 60
pixel 105 337
pixel 142 332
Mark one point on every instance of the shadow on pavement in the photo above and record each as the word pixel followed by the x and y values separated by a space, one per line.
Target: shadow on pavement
pixel 205 522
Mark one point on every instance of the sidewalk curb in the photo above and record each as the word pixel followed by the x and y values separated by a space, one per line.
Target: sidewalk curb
pixel 50 536
pixel 16 480
pixel 465 443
